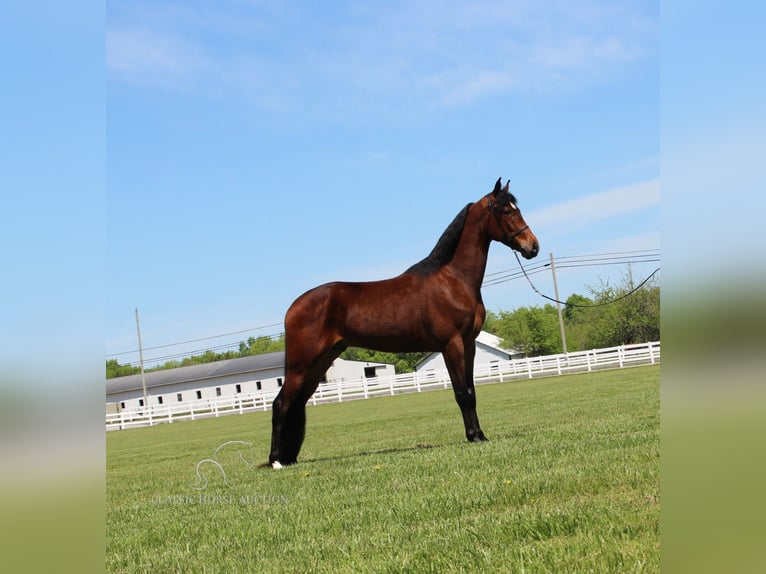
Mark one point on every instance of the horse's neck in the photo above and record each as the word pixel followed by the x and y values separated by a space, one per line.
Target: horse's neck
pixel 470 259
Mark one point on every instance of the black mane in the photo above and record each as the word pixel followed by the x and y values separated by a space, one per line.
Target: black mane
pixel 442 253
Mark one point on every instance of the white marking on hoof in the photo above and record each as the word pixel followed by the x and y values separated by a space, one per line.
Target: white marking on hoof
pixel 276 465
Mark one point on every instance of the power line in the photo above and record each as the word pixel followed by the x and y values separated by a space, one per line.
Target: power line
pixel 601 304
pixel 540 266
pixel 190 353
pixel 608 263
pixel 573 261
pixel 491 279
pixel 620 255
pixel 617 253
pixel 195 340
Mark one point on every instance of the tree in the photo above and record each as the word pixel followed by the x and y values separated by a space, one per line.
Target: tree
pixel 261 345
pixel 115 369
pixel 531 330
pixel 578 322
pixel 601 320
pixel 491 322
pixel 576 308
pixel 634 318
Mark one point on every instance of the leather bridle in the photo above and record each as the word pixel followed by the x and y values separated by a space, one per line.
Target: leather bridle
pixel 496 209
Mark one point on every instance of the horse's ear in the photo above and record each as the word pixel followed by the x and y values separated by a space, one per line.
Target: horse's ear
pixel 507 186
pixel 497 189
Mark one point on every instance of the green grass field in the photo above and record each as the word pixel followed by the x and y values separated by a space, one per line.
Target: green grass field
pixel 569 482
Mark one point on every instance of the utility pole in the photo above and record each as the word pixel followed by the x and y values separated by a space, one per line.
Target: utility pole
pixel 141 356
pixel 558 305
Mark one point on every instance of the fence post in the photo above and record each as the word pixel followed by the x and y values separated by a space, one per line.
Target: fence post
pixel 620 352
pixel 651 352
pixel 529 367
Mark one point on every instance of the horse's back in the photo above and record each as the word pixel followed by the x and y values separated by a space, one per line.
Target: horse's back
pixel 383 315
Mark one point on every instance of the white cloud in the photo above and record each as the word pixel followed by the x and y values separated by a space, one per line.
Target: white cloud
pixel 415 52
pixel 458 88
pixel 637 242
pixel 588 209
pixel 577 52
pixel 141 55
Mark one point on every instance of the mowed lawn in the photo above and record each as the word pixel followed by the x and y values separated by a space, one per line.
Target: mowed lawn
pixel 569 482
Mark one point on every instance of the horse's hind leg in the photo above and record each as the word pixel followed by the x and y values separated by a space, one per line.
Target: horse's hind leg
pixel 288 420
pixel 288 416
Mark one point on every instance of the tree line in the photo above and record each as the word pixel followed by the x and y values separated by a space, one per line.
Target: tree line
pixel 590 322
pixel 252 346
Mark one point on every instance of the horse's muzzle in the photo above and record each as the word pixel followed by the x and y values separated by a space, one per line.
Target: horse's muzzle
pixel 531 252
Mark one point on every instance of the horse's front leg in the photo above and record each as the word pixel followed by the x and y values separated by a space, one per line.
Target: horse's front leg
pixel 459 356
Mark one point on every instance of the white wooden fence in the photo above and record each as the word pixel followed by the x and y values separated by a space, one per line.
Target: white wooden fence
pixel 502 371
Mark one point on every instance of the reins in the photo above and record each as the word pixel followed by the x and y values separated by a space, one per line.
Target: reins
pixel 628 294
pixel 494 208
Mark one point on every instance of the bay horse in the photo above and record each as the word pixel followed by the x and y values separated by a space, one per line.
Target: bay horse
pixel 435 305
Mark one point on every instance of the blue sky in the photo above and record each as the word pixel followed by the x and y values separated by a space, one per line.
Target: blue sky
pixel 255 150
pixel 52 173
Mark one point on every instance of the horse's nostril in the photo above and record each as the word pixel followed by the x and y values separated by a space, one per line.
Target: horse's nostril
pixel 535 247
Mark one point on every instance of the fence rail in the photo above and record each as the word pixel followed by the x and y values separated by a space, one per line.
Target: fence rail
pixel 502 371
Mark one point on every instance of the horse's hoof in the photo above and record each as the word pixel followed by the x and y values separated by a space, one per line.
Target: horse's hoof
pixel 276 465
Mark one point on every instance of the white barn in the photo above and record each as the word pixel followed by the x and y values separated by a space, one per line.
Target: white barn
pixel 245 375
pixel 488 353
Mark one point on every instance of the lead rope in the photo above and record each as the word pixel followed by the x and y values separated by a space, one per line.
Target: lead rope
pixel 536 290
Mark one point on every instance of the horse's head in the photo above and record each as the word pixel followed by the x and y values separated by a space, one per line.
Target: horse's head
pixel 507 225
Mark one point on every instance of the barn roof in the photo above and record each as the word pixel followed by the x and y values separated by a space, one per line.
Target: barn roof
pixel 199 372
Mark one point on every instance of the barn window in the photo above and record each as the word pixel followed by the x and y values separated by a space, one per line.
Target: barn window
pixel 199 394
pixel 238 388
pixel 140 402
pixel 279 382
pixel 218 391
pixel 369 373
pixel 122 405
pixel 159 400
pixel 179 397
pixel 258 385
